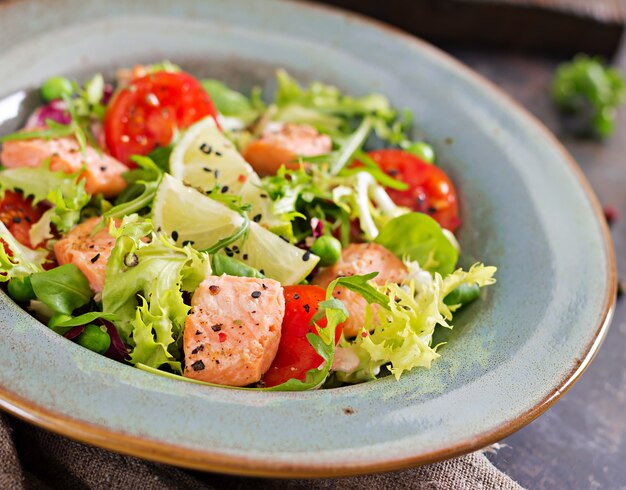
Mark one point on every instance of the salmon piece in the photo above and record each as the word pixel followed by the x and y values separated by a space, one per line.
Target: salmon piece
pixel 282 144
pixel 103 173
pixel 360 259
pixel 232 333
pixel 89 253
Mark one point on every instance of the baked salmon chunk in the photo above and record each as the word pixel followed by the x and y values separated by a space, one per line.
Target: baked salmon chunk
pixel 232 332
pixel 102 173
pixel 360 259
pixel 89 253
pixel 282 144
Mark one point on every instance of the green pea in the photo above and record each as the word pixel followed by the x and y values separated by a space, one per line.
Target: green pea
pixel 21 289
pixel 328 249
pixel 462 295
pixel 422 150
pixel 56 319
pixel 95 338
pixel 55 88
pixel 223 264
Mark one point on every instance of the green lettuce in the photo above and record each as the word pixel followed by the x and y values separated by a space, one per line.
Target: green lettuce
pixel 401 334
pixel 418 237
pixel 21 261
pixel 64 191
pixel 145 280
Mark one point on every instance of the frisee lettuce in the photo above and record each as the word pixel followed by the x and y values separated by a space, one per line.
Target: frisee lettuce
pixel 401 334
pixel 66 192
pixel 20 261
pixel 158 272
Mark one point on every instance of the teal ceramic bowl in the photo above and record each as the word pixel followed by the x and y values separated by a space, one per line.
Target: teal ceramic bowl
pixel 526 208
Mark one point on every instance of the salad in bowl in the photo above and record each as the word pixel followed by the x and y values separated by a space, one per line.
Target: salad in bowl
pixel 195 232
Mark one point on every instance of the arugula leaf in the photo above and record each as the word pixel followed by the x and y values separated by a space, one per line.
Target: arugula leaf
pixel 62 289
pixel 229 102
pixel 63 327
pixel 418 237
pixel 361 285
pixel 52 131
pixel 371 167
pixel 350 146
pixel 145 182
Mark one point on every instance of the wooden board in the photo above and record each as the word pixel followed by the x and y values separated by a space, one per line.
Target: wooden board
pixel 562 27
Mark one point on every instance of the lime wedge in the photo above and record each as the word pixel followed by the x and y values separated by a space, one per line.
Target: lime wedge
pixel 191 217
pixel 204 158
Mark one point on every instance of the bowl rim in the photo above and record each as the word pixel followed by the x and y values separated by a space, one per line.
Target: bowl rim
pixel 172 454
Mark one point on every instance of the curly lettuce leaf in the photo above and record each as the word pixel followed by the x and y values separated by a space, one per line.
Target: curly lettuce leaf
pixel 147 264
pixel 19 261
pixel 66 192
pixel 401 334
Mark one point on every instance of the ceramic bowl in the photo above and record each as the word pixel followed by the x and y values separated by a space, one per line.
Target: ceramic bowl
pixel 525 207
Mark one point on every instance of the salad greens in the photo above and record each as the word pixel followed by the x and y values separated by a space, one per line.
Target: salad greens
pixel 193 207
pixel 590 91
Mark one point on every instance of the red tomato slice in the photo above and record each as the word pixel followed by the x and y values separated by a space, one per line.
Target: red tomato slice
pixel 430 190
pixel 295 354
pixel 18 215
pixel 147 113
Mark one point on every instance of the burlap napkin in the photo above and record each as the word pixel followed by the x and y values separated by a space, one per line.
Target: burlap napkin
pixel 31 458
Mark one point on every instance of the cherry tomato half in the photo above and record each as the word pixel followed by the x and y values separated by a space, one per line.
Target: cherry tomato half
pixel 147 112
pixel 18 215
pixel 295 354
pixel 430 190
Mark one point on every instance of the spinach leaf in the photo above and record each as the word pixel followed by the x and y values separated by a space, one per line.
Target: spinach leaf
pixel 418 237
pixel 62 289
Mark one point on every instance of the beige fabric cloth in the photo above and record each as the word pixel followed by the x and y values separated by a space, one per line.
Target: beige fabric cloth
pixel 31 458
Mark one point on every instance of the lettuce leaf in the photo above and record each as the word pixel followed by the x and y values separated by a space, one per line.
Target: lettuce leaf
pixel 418 237
pixel 401 334
pixel 144 288
pixel 21 261
pixel 64 191
pixel 62 289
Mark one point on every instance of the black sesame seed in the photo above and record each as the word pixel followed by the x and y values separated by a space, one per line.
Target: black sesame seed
pixel 197 366
pixel 198 332
pixel 200 348
pixel 188 242
pixel 206 149
pixel 432 209
pixel 95 258
pixel 27 219
pixel 263 286
pixel 262 271
pixel 17 220
pixel 256 294
pixel 257 218
pixel 218 153
pixel 207 169
pixel 245 257
pixel 263 196
pixel 296 296
pixel 175 235
pixel 224 189
pixel 217 327
pixel 306 256
pixel 103 169
pixel 307 308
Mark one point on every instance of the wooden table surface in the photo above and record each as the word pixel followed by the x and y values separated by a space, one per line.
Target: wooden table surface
pixel 581 442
